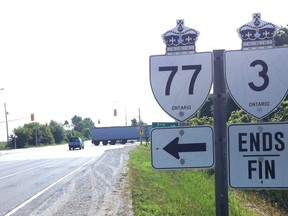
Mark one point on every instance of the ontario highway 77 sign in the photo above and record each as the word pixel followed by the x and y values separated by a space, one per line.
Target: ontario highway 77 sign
pixel 181 83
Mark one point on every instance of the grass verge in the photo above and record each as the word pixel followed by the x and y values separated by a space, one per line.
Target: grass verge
pixel 2 145
pixel 183 192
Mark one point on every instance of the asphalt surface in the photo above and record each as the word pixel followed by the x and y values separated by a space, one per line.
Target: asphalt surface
pixel 92 181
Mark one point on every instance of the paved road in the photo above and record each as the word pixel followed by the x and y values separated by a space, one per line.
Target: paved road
pixel 28 177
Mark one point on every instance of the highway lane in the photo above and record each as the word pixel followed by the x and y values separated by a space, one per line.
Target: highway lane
pixel 27 174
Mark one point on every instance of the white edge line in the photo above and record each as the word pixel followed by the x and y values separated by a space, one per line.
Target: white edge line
pixel 45 189
pixel 7 176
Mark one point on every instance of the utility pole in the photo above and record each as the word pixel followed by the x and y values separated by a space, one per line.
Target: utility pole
pixel 125 117
pixel 6 123
pixel 140 126
pixel 15 142
pixel 36 136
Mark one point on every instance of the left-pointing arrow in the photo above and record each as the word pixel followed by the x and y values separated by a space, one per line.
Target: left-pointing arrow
pixel 174 147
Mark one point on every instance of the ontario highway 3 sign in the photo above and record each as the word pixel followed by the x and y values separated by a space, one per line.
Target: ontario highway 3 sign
pixel 257 79
pixel 256 76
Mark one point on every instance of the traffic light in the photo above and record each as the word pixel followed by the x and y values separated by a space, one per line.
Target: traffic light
pixel 32 116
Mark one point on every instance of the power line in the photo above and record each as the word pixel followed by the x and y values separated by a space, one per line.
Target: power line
pixel 15 119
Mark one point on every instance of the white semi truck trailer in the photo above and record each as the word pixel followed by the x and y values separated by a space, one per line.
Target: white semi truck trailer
pixel 119 134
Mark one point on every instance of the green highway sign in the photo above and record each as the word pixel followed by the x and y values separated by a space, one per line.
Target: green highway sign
pixel 164 124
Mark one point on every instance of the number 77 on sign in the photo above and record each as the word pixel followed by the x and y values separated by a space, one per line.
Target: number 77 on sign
pixel 181 83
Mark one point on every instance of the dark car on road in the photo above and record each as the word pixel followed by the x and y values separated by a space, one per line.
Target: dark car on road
pixel 76 142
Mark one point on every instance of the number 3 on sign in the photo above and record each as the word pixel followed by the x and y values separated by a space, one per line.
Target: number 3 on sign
pixel 262 74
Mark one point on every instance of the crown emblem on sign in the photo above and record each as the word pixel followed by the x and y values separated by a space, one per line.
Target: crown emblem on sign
pixel 257 33
pixel 180 40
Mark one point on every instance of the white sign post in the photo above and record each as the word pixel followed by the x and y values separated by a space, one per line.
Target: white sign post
pixel 258 155
pixel 181 83
pixel 182 147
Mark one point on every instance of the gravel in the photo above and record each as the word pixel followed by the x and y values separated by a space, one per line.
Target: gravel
pixel 100 189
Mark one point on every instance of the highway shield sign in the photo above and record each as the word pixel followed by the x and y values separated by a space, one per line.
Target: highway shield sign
pixel 181 83
pixel 257 79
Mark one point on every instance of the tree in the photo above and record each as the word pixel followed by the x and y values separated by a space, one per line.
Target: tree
pixel 26 135
pixel 281 37
pixel 76 121
pixel 58 131
pixel 207 109
pixel 231 106
pixel 86 133
pixel 66 124
pixel 88 123
pixel 281 113
pixel 239 116
pixel 44 135
pixel 134 122
pixel 205 120
pixel 83 126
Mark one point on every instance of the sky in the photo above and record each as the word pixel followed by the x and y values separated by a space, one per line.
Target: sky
pixel 61 58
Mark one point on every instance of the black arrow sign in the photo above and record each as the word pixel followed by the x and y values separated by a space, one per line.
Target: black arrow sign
pixel 174 148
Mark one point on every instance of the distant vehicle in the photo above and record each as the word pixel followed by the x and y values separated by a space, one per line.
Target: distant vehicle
pixel 76 142
pixel 120 134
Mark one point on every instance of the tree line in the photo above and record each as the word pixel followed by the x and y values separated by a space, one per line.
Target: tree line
pixel 36 134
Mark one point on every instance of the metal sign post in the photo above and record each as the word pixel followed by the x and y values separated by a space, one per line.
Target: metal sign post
pixel 220 117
